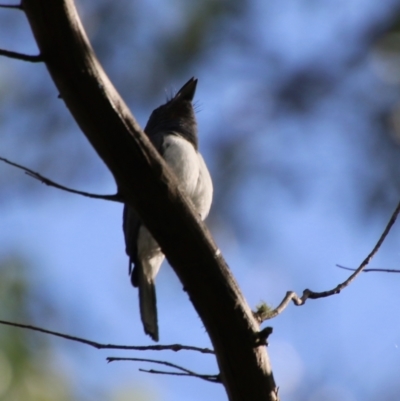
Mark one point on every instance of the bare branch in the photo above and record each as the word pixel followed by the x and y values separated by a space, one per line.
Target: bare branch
pixel 171 347
pixel 292 296
pixel 13 6
pixel 149 186
pixel 187 372
pixel 20 56
pixel 371 270
pixel 50 183
pixel 209 378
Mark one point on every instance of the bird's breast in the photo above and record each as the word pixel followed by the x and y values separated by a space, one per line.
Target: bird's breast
pixel 190 170
pixel 183 159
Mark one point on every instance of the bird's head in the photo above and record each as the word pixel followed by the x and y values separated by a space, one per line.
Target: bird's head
pixel 177 115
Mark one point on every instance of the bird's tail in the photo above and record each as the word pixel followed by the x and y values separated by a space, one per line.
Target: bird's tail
pixel 148 306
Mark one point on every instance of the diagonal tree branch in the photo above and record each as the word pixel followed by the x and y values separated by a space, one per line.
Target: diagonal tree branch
pixel 171 347
pixel 21 56
pixel 146 183
pixel 44 180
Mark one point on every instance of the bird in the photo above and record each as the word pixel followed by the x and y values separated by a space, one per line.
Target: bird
pixel 172 129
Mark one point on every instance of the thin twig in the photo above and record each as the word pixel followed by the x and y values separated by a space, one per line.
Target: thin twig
pixel 171 347
pixel 50 183
pixel 292 296
pixel 20 56
pixel 187 372
pixel 13 6
pixel 210 378
pixel 371 270
pixel 162 372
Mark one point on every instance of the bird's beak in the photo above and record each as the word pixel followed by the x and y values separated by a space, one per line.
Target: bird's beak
pixel 187 91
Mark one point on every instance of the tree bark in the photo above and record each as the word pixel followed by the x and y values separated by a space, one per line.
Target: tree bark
pixel 146 183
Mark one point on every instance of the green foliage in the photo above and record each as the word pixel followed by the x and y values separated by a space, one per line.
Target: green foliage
pixel 26 368
pixel 263 310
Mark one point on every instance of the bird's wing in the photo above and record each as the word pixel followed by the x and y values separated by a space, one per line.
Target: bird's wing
pixel 130 225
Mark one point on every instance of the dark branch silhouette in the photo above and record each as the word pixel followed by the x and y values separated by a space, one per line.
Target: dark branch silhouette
pixel 50 183
pixel 187 372
pixel 149 187
pixel 370 270
pixel 20 56
pixel 12 6
pixel 292 296
pixel 171 347
pixel 210 378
